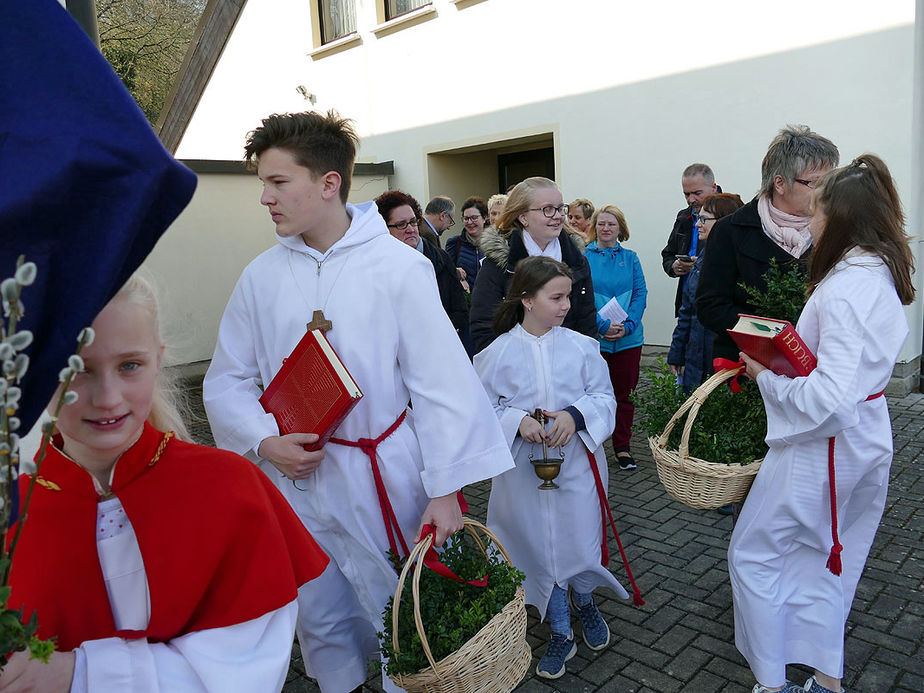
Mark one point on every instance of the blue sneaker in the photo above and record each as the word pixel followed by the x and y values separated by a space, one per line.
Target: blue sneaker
pixel 594 629
pixel 790 687
pixel 559 651
pixel 815 687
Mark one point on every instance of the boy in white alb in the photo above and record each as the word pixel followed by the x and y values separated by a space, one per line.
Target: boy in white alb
pixel 391 332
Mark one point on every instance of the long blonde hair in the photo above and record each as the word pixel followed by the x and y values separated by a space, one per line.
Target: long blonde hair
pixel 168 401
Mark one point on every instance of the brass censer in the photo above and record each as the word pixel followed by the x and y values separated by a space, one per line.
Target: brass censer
pixel 546 468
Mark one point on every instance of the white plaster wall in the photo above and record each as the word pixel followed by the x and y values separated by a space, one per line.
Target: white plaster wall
pixel 198 260
pixel 644 91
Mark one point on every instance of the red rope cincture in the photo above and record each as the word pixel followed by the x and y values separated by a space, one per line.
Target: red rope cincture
pixel 606 513
pixel 834 557
pixel 369 447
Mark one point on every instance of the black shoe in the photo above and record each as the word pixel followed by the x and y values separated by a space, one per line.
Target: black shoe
pixel 626 461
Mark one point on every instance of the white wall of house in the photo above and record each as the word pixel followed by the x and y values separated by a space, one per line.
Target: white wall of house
pixel 629 94
pixel 198 260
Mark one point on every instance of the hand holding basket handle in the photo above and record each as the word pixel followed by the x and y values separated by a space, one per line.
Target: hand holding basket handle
pixel 494 660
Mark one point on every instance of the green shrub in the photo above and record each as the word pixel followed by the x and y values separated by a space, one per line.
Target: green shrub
pixel 452 612
pixel 730 428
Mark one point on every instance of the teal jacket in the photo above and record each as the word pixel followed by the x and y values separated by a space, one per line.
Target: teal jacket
pixel 618 272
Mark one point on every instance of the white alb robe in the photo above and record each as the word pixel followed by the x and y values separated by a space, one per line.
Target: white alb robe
pixel 788 607
pixel 393 335
pixel 553 536
pixel 245 657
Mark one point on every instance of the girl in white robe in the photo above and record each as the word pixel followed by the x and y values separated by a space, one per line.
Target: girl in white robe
pixel 792 584
pixel 553 536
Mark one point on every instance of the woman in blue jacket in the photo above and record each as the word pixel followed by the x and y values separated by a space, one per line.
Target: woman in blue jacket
pixel 617 273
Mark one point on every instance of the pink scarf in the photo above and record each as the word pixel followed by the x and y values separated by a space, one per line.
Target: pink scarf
pixel 788 231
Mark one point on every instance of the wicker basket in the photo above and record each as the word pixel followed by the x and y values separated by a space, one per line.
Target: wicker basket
pixel 694 482
pixel 494 660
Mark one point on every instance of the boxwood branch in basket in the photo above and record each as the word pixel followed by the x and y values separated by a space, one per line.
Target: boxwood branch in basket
pixel 452 612
pixel 730 428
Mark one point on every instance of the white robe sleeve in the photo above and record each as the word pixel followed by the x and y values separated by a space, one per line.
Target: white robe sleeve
pixel 460 440
pixel 245 657
pixel 826 401
pixel 488 364
pixel 598 404
pixel 232 388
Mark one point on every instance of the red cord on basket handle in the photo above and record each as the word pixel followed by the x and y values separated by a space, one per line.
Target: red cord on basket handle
pixel 432 561
pixel 720 364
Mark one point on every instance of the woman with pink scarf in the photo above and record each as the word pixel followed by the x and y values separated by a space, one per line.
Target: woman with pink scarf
pixel 775 224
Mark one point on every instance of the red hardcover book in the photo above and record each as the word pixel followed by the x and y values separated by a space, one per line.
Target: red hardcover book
pixel 773 343
pixel 313 391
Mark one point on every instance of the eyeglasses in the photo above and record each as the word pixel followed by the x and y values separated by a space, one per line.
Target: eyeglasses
pixel 451 220
pixel 472 219
pixel 401 225
pixel 702 219
pixel 810 184
pixel 550 211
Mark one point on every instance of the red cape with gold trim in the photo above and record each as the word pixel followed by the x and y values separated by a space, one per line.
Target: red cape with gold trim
pixel 220 544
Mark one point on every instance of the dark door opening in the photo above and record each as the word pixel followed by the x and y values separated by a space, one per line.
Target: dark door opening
pixel 513 168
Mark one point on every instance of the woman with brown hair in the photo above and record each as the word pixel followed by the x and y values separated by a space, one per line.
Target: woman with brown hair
pixel 793 576
pixel 690 355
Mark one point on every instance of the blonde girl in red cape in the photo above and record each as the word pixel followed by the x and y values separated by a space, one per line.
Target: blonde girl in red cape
pixel 158 565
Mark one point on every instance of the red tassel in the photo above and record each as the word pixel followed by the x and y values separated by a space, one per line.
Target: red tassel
pixel 834 559
pixel 608 515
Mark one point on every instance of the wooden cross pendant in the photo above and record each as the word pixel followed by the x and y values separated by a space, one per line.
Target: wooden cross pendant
pixel 319 322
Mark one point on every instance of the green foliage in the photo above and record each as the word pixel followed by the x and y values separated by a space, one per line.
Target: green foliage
pixel 145 41
pixel 729 428
pixel 452 612
pixel 784 297
pixel 16 634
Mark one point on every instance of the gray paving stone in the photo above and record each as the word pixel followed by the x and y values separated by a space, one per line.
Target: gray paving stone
pixel 683 638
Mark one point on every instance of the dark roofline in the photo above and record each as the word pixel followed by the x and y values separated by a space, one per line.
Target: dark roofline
pixel 384 168
pixel 214 30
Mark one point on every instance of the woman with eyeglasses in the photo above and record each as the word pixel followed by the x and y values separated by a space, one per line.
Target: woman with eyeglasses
pixel 463 249
pixel 533 223
pixel 402 216
pixel 690 355
pixel 774 225
pixel 617 273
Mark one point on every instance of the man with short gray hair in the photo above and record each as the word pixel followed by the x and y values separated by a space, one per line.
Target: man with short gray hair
pixel 438 215
pixel 698 182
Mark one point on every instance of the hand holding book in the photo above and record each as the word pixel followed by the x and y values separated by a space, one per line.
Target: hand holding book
pixel 774 344
pixel 752 368
pixel 292 455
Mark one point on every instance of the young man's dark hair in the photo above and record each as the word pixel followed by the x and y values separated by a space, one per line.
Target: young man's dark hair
pixel 320 143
